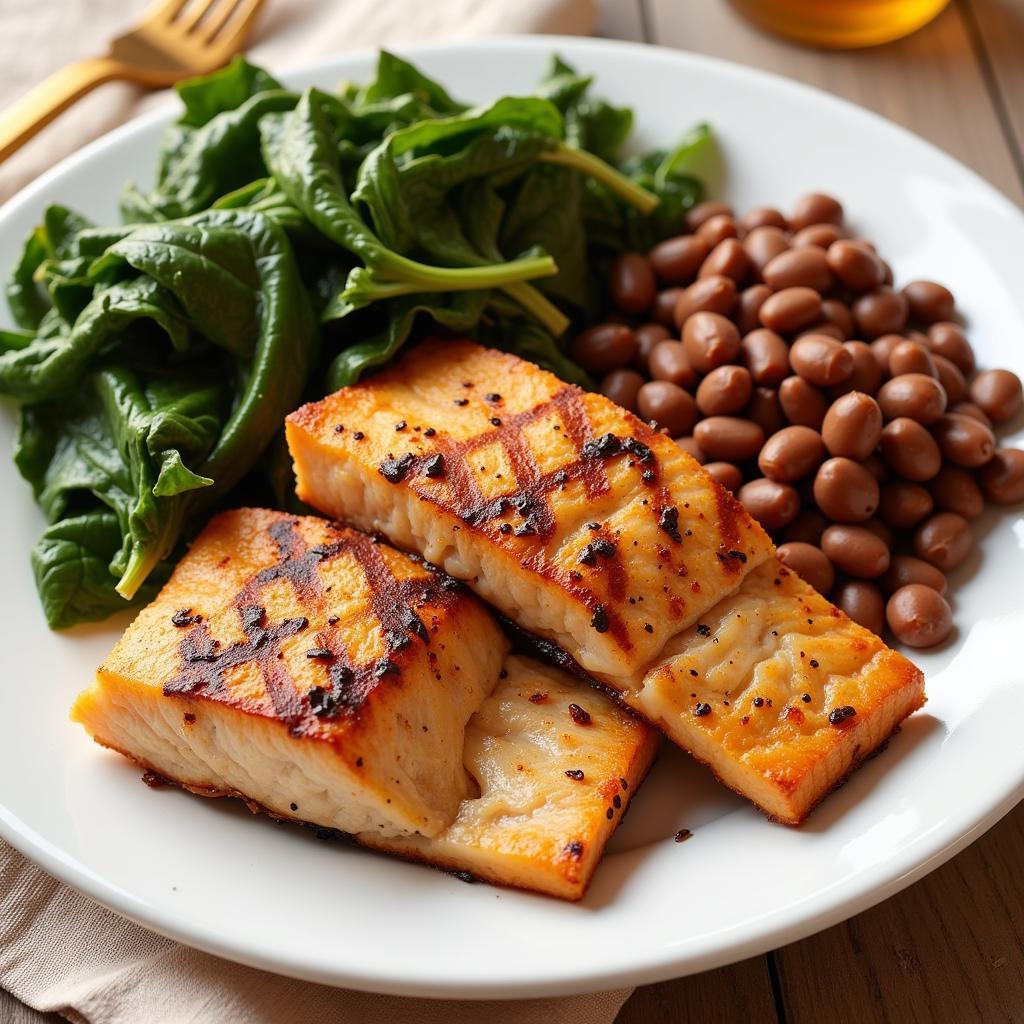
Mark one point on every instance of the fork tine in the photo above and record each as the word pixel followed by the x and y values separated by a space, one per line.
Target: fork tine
pixel 228 27
pixel 162 12
pixel 194 12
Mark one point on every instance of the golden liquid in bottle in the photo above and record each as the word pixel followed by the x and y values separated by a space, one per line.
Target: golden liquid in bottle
pixel 841 23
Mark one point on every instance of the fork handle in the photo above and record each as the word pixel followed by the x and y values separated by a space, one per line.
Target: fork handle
pixel 41 104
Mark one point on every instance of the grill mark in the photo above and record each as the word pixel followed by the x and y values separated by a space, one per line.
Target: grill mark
pixel 728 510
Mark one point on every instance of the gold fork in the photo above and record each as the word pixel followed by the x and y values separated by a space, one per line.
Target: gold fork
pixel 173 40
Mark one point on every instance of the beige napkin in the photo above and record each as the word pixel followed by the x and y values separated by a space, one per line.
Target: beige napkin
pixel 60 951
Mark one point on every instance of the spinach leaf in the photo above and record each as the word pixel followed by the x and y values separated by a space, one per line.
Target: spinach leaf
pixel 228 88
pixel 396 78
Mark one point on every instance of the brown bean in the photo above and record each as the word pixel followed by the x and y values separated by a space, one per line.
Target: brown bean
pixel 944 540
pixel 830 330
pixel 728 259
pixel 855 550
pixel 852 426
pixel 762 245
pixel 835 312
pixel 766 355
pixel 669 361
pixel 694 450
pixel 791 309
pixel 919 616
pixel 910 357
pixel 904 504
pixel 664 309
pixel 882 311
pixel 816 208
pixel 803 268
pixel 803 404
pixel 845 491
pixel 704 211
pixel 647 337
pixel 950 377
pixel 677 260
pixel 972 411
pixel 765 410
pixel 631 282
pixel 710 294
pixel 820 360
pixel 790 454
pixel 816 236
pixel 863 602
pixel 717 229
pixel 912 394
pixel 604 347
pixel 956 490
pixel 772 504
pixel 621 386
pixel 876 466
pixel 710 340
pixel 807 528
pixel 964 441
pixel 948 340
pixel 810 563
pixel 910 450
pixel 724 391
pixel 906 569
pixel 928 302
pixel 728 438
pixel 1002 478
pixel 881 349
pixel 880 530
pixel 856 267
pixel 998 394
pixel 866 375
pixel 725 474
pixel 763 216
pixel 668 405
pixel 746 313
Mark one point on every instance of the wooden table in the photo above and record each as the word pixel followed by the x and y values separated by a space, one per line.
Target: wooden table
pixel 951 947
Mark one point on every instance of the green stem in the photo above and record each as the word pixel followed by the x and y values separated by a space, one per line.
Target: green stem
pixel 462 279
pixel 141 563
pixel 595 167
pixel 537 305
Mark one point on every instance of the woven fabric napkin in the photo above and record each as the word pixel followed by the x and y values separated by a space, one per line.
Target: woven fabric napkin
pixel 60 951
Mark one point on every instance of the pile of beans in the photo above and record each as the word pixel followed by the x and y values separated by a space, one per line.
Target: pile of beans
pixel 846 415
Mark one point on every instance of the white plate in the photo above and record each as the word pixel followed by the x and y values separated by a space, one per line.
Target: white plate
pixel 208 873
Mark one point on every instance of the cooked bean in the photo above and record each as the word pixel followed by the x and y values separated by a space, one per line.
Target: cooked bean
pixel 765 410
pixel 998 394
pixel 604 347
pixel 857 268
pixel 664 309
pixel 904 504
pixel 705 211
pixel 948 340
pixel 726 474
pixel 790 454
pixel 855 550
pixel 805 268
pixel 919 616
pixel 816 208
pixel 1002 477
pixel 669 361
pixel 621 386
pixel 910 450
pixel 882 311
pixel 950 377
pixel 852 426
pixel 677 260
pixel 956 490
pixel 880 530
pixel 668 405
pixel 762 245
pixel 728 259
pixel 877 467
pixel 816 236
pixel 928 302
pixel 906 569
pixel 910 357
pixel 881 349
pixel 748 307
pixel 863 602
pixel 866 375
pixel 971 410
pixel 647 337
pixel 820 360
pixel 912 394
pixel 772 504
pixel 710 294
pixel 838 313
pixel 724 391
pixel 717 229
pixel 810 563
pixel 689 445
pixel 845 491
pixel 766 355
pixel 964 441
pixel 763 216
pixel 803 404
pixel 830 330
pixel 791 309
pixel 807 528
pixel 710 340
pixel 944 540
pixel 631 282
pixel 728 438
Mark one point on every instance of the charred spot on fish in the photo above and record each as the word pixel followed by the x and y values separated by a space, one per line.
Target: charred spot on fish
pixel 668 522
pixel 184 617
pixel 639 449
pixel 396 470
pixel 320 653
pixel 600 620
pixel 575 774
pixel 538 698
pixel 492 397
pixel 414 624
pixel 702 709
pixel 430 432
pixel 396 641
pixel 322 702
pixel 385 667
pixel 604 447
pixel 434 466
pixel 841 714
pixel 574 849
pixel 600 548
pixel 703 629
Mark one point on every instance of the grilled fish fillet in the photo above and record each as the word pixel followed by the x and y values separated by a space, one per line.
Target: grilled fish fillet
pixel 303 666
pixel 553 784
pixel 778 691
pixel 563 510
